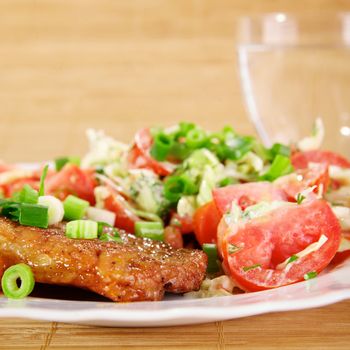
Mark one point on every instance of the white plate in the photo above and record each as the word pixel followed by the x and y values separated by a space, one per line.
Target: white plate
pixel 330 287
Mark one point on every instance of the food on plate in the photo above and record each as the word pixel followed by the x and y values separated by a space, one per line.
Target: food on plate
pixel 179 210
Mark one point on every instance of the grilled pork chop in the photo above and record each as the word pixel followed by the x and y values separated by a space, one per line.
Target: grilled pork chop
pixel 135 270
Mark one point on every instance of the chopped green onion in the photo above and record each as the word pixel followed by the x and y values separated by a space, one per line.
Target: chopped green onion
pixel 148 216
pixel 195 138
pixel 26 195
pixel 42 180
pixel 180 151
pixel 10 209
pixel 184 129
pixel 227 181
pixel 177 186
pixel 278 148
pixel 152 230
pixel 280 166
pixel 300 198
pixel 55 208
pixel 310 275
pixel 211 251
pixel 33 215
pixel 111 234
pixel 62 161
pixel 161 146
pixel 292 258
pixel 82 229
pixel 74 208
pixel 233 249
pixel 252 267
pixel 21 273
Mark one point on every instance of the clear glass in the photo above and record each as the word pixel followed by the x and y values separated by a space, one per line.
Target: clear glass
pixel 294 69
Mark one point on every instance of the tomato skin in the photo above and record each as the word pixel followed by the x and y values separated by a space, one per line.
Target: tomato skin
pixel 173 236
pixel 302 179
pixel 72 180
pixel 273 238
pixel 15 186
pixel 246 194
pixel 300 160
pixel 125 219
pixel 140 157
pixel 186 224
pixel 206 220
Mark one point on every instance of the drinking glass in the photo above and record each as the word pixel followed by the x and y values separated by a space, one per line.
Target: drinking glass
pixel 295 69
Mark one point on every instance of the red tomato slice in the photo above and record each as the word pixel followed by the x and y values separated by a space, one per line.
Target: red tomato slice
pixel 125 219
pixel 173 236
pixel 72 180
pixel 140 157
pixel 184 223
pixel 267 241
pixel 300 160
pixel 206 220
pixel 246 194
pixel 302 179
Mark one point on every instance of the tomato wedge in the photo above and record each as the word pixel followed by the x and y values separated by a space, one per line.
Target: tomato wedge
pixel 184 223
pixel 294 183
pixel 300 160
pixel 72 180
pixel 254 249
pixel 140 157
pixel 125 218
pixel 206 220
pixel 173 236
pixel 246 194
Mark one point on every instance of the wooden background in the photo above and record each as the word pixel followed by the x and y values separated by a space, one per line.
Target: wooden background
pixel 118 65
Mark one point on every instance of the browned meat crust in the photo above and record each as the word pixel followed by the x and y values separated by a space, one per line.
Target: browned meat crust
pixel 135 270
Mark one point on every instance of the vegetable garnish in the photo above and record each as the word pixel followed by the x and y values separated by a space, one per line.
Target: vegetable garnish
pixel 233 248
pixel 300 198
pixel 161 146
pixel 280 166
pixel 152 230
pixel 82 229
pixel 17 274
pixel 34 215
pixel 55 208
pixel 42 180
pixel 252 267
pixel 177 186
pixel 74 208
pixel 62 161
pixel 310 275
pixel 292 258
pixel 212 253
pixel 26 195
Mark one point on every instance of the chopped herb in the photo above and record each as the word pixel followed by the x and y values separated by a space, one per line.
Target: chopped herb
pixel 300 198
pixel 310 275
pixel 42 180
pixel 233 249
pixel 292 258
pixel 252 267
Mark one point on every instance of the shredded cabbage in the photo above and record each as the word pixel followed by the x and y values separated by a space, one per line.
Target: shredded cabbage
pixel 186 206
pixel 103 149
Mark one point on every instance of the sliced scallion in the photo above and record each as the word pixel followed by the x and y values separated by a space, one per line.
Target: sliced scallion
pixel 62 161
pixel 177 186
pixel 161 146
pixel 210 249
pixel 252 267
pixel 280 166
pixel 310 275
pixel 21 273
pixel 152 230
pixel 74 208
pixel 292 258
pixel 42 180
pixel 33 215
pixel 82 229
pixel 195 138
pixel 26 195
